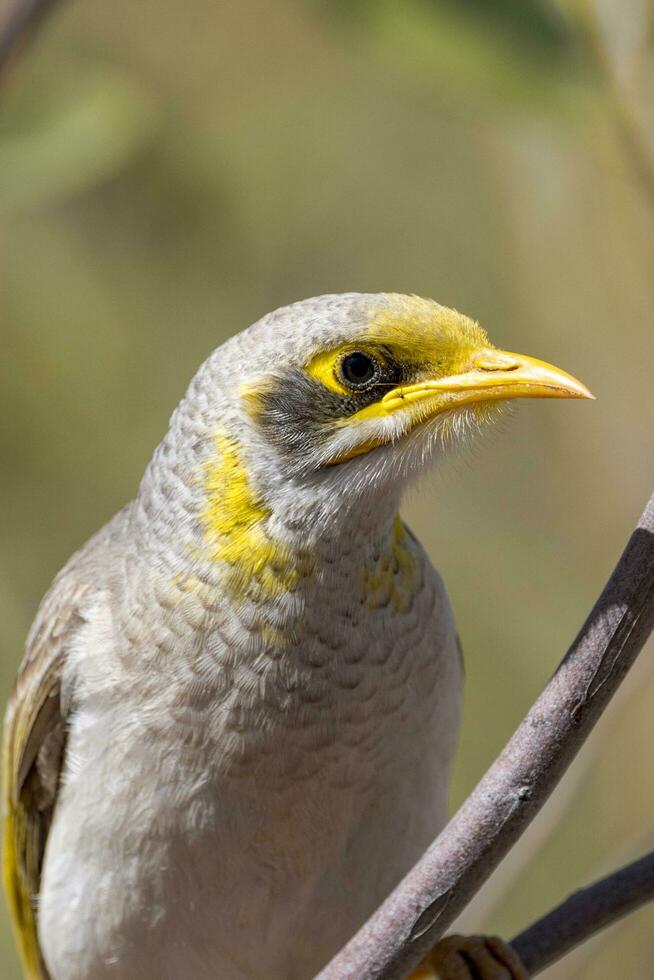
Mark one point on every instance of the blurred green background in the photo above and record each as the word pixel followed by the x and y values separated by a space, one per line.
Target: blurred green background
pixel 170 171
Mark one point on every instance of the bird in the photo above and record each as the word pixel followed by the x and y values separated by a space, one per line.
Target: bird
pixel 232 730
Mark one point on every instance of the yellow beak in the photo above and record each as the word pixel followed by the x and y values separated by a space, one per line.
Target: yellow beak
pixel 494 375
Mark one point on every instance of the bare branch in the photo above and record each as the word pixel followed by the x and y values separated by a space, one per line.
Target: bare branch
pixel 586 912
pixel 23 19
pixel 514 867
pixel 517 785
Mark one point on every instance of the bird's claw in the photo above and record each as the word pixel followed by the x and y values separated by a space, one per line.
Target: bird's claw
pixel 475 958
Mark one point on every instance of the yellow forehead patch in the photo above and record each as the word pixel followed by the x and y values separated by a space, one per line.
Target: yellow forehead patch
pixel 417 333
pixel 423 333
pixel 234 521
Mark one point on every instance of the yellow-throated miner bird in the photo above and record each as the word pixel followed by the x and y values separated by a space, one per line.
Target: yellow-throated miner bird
pixel 233 726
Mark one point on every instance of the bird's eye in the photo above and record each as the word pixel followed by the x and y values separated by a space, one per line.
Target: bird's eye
pixel 358 370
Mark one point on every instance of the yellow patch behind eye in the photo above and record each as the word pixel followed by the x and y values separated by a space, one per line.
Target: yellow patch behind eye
pixel 234 522
pixel 324 367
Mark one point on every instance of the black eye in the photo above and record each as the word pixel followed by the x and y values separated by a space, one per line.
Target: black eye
pixel 358 370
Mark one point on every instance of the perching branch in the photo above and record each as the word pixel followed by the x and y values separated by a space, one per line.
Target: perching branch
pixel 17 28
pixel 517 785
pixel 584 913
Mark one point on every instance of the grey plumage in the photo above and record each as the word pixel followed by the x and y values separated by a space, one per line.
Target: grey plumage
pixel 254 668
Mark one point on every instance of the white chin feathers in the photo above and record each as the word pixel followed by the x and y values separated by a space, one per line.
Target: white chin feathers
pixel 408 444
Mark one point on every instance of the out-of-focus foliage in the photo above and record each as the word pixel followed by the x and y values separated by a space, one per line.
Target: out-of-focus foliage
pixel 522 21
pixel 170 171
pixel 505 52
pixel 80 132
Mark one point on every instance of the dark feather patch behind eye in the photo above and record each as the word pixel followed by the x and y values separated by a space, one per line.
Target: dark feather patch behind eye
pixel 297 413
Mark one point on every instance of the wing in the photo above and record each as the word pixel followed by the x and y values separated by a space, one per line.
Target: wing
pixel 34 738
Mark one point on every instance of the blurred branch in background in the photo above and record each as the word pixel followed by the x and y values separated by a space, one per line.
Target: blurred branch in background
pixel 515 788
pixel 80 129
pixel 622 42
pixel 18 26
pixel 585 913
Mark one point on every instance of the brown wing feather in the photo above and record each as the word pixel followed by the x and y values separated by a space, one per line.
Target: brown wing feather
pixel 34 737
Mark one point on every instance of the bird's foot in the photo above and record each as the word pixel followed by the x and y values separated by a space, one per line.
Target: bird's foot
pixel 471 958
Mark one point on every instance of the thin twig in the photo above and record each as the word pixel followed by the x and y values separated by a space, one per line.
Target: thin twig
pixel 23 19
pixel 584 913
pixel 517 785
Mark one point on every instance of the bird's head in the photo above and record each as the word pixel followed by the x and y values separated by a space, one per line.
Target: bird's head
pixel 358 389
pixel 298 422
